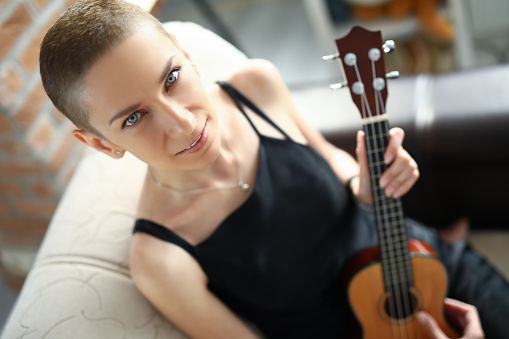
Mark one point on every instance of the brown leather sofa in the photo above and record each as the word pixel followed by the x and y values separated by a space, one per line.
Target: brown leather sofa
pixel 457 129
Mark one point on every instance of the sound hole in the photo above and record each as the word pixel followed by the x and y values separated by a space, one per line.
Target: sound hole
pixel 400 304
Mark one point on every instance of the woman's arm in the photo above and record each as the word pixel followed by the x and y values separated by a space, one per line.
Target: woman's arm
pixel 265 85
pixel 176 285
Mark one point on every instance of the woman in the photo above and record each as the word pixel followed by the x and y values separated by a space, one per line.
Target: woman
pixel 246 210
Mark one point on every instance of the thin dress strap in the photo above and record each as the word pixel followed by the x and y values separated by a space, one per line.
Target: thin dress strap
pixel 240 99
pixel 160 232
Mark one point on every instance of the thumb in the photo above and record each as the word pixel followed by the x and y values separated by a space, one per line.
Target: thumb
pixel 364 179
pixel 430 326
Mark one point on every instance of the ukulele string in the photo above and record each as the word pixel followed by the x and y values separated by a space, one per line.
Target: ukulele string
pixel 395 206
pixel 380 106
pixel 397 221
pixel 407 273
pixel 393 308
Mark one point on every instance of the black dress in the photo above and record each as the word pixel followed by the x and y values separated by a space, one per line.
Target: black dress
pixel 278 259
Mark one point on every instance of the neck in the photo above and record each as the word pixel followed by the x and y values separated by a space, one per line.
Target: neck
pixel 222 171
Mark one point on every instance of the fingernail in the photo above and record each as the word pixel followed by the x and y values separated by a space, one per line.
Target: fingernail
pixel 383 182
pixel 389 192
pixel 388 158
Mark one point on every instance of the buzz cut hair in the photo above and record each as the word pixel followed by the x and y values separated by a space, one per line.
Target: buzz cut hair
pixel 77 40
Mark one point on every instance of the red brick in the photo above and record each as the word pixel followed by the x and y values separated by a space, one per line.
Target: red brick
pixel 2 4
pixel 41 3
pixel 41 137
pixel 5 124
pixel 25 116
pixel 43 190
pixel 4 208
pixel 10 188
pixel 19 169
pixel 21 238
pixel 36 210
pixel 71 2
pixel 11 224
pixel 10 85
pixel 30 57
pixel 13 282
pixel 12 29
pixel 13 148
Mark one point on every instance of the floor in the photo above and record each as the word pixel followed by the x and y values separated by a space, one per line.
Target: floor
pixel 280 31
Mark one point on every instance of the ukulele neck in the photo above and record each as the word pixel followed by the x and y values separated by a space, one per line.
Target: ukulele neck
pixel 395 257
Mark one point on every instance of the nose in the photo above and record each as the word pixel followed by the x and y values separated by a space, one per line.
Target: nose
pixel 177 120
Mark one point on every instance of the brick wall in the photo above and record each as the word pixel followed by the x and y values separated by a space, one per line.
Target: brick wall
pixel 37 151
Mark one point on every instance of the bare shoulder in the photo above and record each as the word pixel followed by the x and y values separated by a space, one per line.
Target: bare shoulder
pixel 260 80
pixel 156 264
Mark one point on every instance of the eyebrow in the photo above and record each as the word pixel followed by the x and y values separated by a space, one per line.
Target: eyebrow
pixel 124 112
pixel 167 68
pixel 128 110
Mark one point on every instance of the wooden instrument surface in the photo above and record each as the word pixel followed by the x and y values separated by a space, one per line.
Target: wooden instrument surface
pixel 400 277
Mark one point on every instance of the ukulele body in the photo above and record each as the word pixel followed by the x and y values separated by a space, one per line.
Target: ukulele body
pixel 368 298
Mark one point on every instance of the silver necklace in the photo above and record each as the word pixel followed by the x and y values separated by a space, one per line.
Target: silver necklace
pixel 240 184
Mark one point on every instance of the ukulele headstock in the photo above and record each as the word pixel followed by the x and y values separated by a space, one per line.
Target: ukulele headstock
pixel 362 55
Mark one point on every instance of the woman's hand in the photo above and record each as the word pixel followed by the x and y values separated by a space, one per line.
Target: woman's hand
pixel 397 179
pixel 462 315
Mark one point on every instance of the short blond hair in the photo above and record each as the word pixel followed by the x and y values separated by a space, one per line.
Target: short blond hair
pixel 84 33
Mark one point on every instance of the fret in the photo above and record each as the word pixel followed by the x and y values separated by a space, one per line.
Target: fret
pixel 393 238
pixel 386 202
pixel 397 275
pixel 377 164
pixel 399 272
pixel 393 224
pixel 384 135
pixel 407 280
pixel 377 150
pixel 400 262
pixel 390 215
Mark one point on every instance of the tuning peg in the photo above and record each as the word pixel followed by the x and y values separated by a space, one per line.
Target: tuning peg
pixel 339 85
pixel 330 57
pixel 389 46
pixel 392 75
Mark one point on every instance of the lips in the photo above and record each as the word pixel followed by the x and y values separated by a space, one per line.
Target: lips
pixel 197 144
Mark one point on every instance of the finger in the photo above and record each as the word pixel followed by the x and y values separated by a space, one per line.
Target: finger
pixel 399 178
pixel 395 142
pixel 365 194
pixel 405 186
pixel 430 326
pixel 402 165
pixel 466 317
pixel 361 154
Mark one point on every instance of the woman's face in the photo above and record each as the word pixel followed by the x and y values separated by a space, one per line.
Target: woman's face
pixel 145 96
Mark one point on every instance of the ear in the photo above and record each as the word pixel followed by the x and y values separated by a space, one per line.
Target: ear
pixel 99 144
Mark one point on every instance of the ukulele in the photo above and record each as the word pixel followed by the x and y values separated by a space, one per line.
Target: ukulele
pixel 388 284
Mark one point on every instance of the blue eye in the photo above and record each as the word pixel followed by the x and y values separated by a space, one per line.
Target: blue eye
pixel 133 119
pixel 172 77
